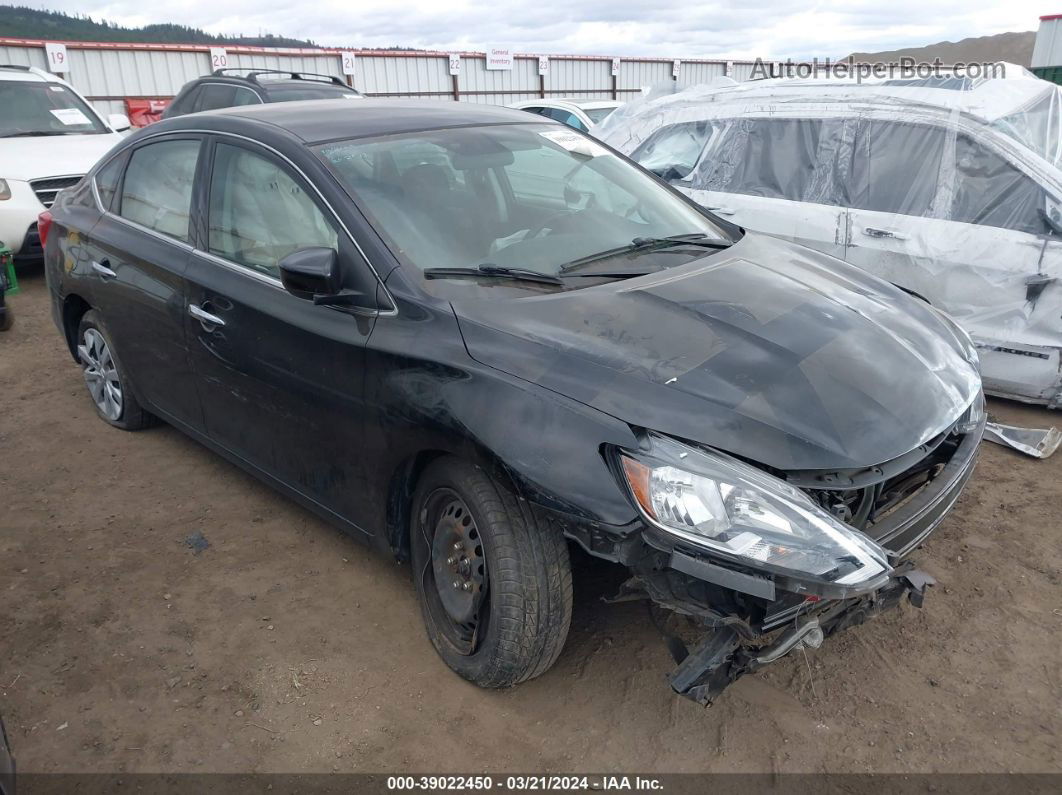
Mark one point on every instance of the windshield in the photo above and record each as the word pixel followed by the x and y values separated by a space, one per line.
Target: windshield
pixel 528 196
pixel 597 115
pixel 39 108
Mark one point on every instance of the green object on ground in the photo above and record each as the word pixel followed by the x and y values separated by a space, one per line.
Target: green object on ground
pixel 7 263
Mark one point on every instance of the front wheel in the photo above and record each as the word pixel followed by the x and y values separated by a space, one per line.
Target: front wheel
pixel 494 582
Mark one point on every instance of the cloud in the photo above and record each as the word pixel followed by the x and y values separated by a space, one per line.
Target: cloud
pixel 769 29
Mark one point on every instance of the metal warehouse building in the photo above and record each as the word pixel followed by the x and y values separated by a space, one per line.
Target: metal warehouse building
pixel 109 74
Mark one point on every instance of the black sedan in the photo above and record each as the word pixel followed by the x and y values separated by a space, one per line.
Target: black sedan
pixel 471 337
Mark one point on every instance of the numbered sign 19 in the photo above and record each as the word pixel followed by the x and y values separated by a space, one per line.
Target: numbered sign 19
pixel 219 59
pixel 56 54
pixel 348 63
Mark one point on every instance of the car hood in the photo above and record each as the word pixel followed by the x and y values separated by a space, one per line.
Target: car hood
pixel 52 155
pixel 767 350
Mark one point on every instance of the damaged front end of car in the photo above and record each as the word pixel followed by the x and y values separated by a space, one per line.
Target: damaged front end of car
pixel 768 562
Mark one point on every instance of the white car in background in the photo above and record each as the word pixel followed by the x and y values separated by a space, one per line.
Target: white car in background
pixel 49 137
pixel 580 114
pixel 948 187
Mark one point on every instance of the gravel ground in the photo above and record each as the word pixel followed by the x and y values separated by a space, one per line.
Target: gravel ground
pixel 285 646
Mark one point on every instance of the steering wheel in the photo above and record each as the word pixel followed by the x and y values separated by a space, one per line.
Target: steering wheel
pixel 540 228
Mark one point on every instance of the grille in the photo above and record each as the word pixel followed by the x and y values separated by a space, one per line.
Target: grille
pixel 47 188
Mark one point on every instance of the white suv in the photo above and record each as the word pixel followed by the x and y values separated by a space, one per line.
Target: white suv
pixel 950 188
pixel 49 137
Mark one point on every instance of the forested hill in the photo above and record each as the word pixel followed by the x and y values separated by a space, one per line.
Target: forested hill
pixel 31 23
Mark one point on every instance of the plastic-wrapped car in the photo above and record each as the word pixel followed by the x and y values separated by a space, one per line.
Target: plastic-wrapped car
pixel 948 187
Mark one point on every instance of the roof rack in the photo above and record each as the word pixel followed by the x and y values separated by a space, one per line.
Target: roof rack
pixel 18 66
pixel 252 74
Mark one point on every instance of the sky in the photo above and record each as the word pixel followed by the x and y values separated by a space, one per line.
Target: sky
pixel 691 29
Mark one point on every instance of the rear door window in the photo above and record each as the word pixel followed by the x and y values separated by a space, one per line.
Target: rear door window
pixel 157 188
pixel 107 181
pixel 897 168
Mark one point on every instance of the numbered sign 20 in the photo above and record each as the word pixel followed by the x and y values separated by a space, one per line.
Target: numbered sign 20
pixel 56 54
pixel 219 59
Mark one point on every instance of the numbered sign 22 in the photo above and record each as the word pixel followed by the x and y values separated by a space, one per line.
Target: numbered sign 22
pixel 56 53
pixel 219 59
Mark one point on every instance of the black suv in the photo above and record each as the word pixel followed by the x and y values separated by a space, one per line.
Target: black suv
pixel 226 88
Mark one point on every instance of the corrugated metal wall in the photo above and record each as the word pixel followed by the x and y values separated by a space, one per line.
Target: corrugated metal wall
pixel 108 73
pixel 1047 51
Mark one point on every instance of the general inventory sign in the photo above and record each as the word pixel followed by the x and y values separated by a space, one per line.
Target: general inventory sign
pixel 500 58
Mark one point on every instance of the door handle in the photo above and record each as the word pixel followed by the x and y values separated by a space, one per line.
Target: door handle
pixel 104 269
pixel 204 317
pixel 872 232
pixel 721 210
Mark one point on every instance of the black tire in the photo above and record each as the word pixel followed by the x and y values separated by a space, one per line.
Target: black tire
pixel 131 416
pixel 7 319
pixel 525 608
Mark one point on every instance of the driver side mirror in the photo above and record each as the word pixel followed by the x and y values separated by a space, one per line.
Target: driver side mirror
pixel 1051 212
pixel 119 122
pixel 311 273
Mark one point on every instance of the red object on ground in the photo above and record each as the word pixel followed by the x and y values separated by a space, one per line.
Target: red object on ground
pixel 143 112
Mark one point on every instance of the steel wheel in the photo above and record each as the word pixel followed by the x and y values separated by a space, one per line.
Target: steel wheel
pixel 101 374
pixel 457 577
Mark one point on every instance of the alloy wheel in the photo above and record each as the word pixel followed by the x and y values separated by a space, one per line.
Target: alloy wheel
pixel 101 374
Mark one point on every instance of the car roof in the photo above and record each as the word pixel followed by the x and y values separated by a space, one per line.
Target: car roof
pixel 318 120
pixel 26 74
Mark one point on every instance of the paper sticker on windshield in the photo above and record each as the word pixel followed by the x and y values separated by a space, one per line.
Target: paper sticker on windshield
pixel 70 116
pixel 574 143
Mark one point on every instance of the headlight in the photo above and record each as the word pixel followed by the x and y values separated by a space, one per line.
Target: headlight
pixel 749 517
pixel 5 190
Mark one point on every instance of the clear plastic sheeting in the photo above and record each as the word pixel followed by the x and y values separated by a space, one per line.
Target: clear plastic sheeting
pixel 949 187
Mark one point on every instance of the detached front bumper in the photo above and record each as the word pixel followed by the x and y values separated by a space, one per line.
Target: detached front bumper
pixel 725 654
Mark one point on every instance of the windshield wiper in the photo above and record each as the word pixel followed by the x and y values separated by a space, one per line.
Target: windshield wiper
pixel 648 244
pixel 490 270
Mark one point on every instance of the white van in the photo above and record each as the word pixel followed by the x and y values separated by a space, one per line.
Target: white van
pixel 49 137
pixel 948 187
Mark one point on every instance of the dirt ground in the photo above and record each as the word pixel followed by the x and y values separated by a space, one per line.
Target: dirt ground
pixel 286 646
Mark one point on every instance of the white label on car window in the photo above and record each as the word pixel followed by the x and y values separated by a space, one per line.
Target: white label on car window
pixel 574 143
pixel 70 116
pixel 57 89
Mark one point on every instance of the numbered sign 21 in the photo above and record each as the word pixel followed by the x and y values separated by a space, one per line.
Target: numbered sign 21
pixel 348 63
pixel 219 59
pixel 56 54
